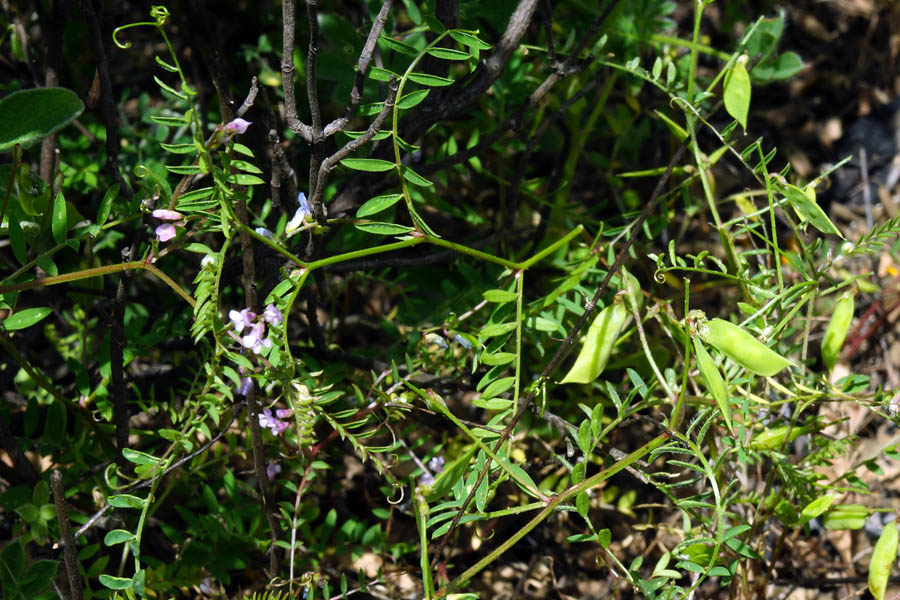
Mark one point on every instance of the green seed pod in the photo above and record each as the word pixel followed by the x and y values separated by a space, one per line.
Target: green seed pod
pixel 632 289
pixel 598 343
pixel 744 349
pixel 883 558
pixel 714 381
pixel 837 330
pixel 816 507
pixel 773 437
pixel 846 516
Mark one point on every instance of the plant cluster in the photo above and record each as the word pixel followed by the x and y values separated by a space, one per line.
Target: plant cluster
pixel 419 297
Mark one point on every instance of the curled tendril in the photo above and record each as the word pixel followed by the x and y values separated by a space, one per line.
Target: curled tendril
pixel 400 499
pixel 107 478
pixel 660 276
pixel 159 13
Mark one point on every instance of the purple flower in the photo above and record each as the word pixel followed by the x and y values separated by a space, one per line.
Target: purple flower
pixel 273 469
pixel 254 340
pixel 238 126
pixel 436 464
pixel 273 424
pixel 246 386
pixel 272 315
pixel 165 232
pixel 242 319
pixel 284 413
pixel 303 211
pixel 463 341
pixel 426 479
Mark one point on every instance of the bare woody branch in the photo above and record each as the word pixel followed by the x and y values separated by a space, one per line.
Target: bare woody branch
pixel 247 104
pixel 329 163
pixel 362 68
pixel 287 72
pixel 312 93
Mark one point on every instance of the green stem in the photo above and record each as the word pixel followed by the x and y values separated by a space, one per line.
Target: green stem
pixel 520 292
pixel 437 403
pixel 552 504
pixel 96 271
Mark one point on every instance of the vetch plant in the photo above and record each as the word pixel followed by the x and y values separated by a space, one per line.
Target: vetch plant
pixel 493 316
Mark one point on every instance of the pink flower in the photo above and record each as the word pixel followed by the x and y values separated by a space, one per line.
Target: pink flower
pixel 165 232
pixel 272 315
pixel 254 341
pixel 242 319
pixel 167 215
pixel 238 126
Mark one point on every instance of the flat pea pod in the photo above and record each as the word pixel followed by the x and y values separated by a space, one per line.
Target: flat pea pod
pixel 837 329
pixel 632 289
pixel 740 346
pixel 714 381
pixel 773 437
pixel 598 343
pixel 882 560
pixel 846 516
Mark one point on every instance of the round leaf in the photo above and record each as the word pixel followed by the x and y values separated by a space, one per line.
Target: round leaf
pixel 28 116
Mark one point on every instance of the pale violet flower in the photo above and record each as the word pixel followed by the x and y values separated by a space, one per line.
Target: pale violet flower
pixel 273 469
pixel 463 341
pixel 207 587
pixel 436 464
pixel 238 126
pixel 433 338
pixel 272 423
pixel 166 231
pixel 284 413
pixel 299 217
pixel 254 340
pixel 272 315
pixel 265 233
pixel 167 215
pixel 242 319
pixel 246 386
